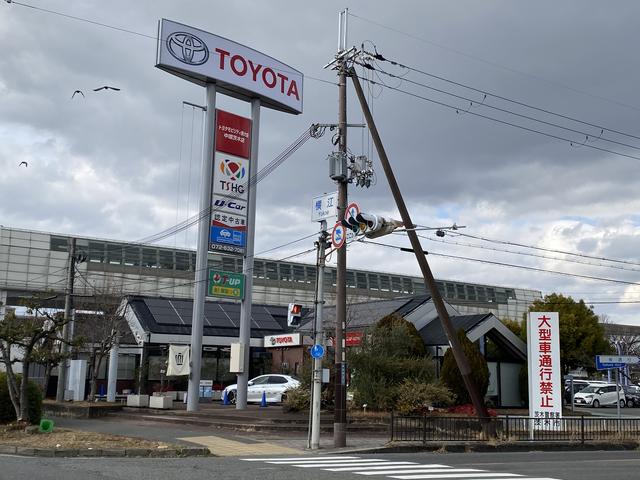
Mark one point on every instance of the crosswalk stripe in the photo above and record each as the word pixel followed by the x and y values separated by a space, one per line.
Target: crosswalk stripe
pixel 374 466
pixel 359 465
pixel 319 463
pixel 421 470
pixel 485 474
pixel 301 459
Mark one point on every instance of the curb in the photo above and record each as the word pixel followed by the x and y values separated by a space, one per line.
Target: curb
pixel 495 448
pixel 105 452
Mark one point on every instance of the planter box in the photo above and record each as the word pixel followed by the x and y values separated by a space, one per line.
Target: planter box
pixel 161 402
pixel 137 400
pixel 173 395
pixel 181 396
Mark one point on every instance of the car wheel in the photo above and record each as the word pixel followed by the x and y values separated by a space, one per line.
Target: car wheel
pixel 622 404
pixel 595 404
pixel 231 396
pixel 283 398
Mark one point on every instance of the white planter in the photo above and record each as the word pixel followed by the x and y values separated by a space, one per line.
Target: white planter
pixel 171 394
pixel 181 396
pixel 161 402
pixel 137 400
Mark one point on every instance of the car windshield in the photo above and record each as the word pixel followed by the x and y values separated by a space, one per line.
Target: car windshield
pixel 260 380
pixel 590 389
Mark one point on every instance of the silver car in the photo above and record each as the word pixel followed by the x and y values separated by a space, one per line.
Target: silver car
pixel 274 386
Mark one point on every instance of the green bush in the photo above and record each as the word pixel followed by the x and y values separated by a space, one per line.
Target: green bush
pixel 415 397
pixel 34 397
pixel 450 374
pixel 297 399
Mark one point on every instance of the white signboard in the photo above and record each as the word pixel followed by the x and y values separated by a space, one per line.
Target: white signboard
pixel 545 385
pixel 239 71
pixel 325 207
pixel 231 177
pixel 286 340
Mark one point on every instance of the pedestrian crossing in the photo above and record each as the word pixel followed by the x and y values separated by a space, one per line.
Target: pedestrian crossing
pixel 400 470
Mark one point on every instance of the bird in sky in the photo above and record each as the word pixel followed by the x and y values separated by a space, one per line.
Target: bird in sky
pixel 23 163
pixel 106 87
pixel 76 92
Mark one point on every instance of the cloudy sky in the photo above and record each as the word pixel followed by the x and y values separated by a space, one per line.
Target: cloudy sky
pixel 124 165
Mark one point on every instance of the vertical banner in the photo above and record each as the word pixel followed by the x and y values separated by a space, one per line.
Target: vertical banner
pixel 231 173
pixel 545 385
pixel 178 363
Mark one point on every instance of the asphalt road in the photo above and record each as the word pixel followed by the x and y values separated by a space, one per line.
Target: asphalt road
pixel 414 466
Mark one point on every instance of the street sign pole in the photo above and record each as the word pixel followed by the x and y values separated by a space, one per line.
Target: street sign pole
pixel 247 264
pixel 200 290
pixel 318 339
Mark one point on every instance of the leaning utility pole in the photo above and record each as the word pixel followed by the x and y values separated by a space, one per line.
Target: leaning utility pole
pixel 340 413
pixel 68 305
pixel 458 353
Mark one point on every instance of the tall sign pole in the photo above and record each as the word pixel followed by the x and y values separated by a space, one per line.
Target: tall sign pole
pixel 66 333
pixel 340 412
pixel 202 252
pixel 247 264
pixel 224 66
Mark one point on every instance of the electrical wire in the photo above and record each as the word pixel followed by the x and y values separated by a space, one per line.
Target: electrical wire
pixel 377 56
pixel 497 120
pixel 510 265
pixel 496 65
pixel 588 136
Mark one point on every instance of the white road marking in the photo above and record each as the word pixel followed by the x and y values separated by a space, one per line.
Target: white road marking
pixel 374 466
pixel 422 470
pixel 458 475
pixel 300 459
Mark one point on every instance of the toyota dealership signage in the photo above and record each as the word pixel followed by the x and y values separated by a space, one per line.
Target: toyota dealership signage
pixel 239 71
pixel 285 340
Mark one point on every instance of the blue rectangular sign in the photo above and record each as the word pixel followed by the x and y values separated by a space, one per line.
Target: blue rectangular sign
pixel 607 365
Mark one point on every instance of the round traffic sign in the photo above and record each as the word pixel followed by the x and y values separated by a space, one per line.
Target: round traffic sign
pixel 317 351
pixel 338 235
pixel 352 211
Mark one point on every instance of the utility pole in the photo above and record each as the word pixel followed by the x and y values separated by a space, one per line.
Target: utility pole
pixel 68 305
pixel 458 353
pixel 340 412
pixel 318 339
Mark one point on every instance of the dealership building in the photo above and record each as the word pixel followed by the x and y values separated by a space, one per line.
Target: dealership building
pixel 156 284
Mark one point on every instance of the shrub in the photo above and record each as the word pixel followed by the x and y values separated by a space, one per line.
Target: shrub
pixel 297 399
pixel 34 398
pixel 415 397
pixel 450 374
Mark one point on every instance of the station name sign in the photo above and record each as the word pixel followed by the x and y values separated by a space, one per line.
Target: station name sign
pixel 239 71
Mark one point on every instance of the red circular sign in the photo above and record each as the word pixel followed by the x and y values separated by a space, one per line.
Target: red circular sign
pixel 352 210
pixel 338 235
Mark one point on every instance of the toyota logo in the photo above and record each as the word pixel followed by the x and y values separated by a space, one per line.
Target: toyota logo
pixel 187 48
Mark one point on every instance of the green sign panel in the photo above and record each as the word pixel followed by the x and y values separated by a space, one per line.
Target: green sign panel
pixel 225 284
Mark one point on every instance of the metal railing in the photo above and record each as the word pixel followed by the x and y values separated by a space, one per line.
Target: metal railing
pixel 511 429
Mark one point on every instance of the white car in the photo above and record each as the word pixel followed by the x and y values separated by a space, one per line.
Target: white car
pixel 599 395
pixel 273 385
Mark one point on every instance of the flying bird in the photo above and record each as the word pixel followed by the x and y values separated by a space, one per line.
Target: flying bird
pixel 23 163
pixel 106 87
pixel 77 91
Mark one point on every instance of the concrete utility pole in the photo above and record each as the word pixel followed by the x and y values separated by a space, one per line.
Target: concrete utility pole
pixel 340 413
pixel 202 254
pixel 458 353
pixel 318 339
pixel 68 305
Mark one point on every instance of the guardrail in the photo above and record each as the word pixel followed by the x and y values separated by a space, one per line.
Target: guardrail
pixel 428 428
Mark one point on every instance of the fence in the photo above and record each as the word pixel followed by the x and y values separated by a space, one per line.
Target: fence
pixel 573 429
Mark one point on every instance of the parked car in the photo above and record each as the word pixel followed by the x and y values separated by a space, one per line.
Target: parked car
pixel 632 395
pixel 599 395
pixel 274 386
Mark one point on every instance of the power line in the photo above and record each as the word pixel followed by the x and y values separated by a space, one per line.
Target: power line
pixel 497 120
pixel 482 103
pixel 529 254
pixel 511 265
pixel 563 252
pixel 494 64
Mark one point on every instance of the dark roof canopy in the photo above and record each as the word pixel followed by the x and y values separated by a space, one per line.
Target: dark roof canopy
pixel 173 316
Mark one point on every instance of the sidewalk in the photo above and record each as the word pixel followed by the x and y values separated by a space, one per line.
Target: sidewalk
pixel 222 441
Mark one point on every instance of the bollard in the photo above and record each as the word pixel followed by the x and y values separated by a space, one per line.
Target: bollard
pixel 225 398
pixel 263 403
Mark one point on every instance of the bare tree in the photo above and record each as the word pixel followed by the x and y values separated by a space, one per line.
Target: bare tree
pixel 100 327
pixel 27 340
